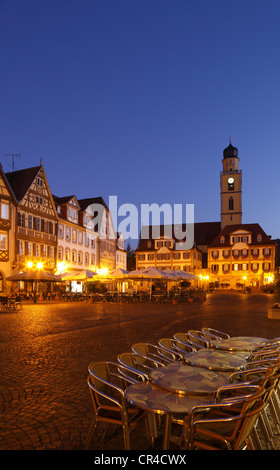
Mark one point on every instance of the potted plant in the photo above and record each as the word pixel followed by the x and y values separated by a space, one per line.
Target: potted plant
pixel 274 311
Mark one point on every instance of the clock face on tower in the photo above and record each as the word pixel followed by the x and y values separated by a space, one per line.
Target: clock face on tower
pixel 230 184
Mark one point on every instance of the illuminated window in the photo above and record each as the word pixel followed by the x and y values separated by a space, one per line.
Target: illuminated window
pixel 4 211
pixel 3 242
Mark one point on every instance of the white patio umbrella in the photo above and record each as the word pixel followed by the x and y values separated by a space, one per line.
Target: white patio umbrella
pixel 118 272
pixel 186 275
pixel 84 274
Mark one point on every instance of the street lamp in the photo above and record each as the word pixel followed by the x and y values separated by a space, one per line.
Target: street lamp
pixel 244 279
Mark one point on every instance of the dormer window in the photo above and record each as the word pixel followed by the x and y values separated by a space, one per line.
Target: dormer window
pixel 259 238
pixel 149 244
pixel 222 240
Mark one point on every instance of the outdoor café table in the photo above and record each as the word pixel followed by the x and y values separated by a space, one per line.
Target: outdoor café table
pixel 185 379
pixel 222 361
pixel 237 343
pixel 150 397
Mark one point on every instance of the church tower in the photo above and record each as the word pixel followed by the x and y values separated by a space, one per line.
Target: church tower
pixel 231 188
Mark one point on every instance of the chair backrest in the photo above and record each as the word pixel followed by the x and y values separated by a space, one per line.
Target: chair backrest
pixel 134 362
pixel 149 351
pixel 171 346
pixel 184 343
pixel 101 384
pixel 212 334
pixel 234 418
pixel 253 376
pixel 197 338
pixel 248 422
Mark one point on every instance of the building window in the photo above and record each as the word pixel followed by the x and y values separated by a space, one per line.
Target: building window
pixel 21 219
pixel 176 255
pixel 74 236
pixel 230 204
pixel 39 200
pixel 37 224
pixel 235 267
pixel 74 256
pixel 29 249
pixel 67 233
pixel 259 238
pixel 59 253
pixel 30 221
pixel 80 257
pixel 141 257
pixel 39 181
pixel 86 258
pixel 4 211
pixel 226 253
pixel 151 257
pixel 266 266
pixel 255 266
pixel 60 232
pixel 3 242
pixel 20 248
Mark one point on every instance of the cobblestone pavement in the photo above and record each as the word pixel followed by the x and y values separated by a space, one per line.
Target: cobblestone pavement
pixel 45 350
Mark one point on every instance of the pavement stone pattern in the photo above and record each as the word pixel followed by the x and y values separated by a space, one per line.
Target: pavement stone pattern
pixel 45 350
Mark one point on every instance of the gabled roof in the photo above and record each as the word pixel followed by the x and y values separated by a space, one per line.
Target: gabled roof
pixel 21 180
pixel 253 229
pixel 5 179
pixel 65 200
pixel 84 203
pixel 204 233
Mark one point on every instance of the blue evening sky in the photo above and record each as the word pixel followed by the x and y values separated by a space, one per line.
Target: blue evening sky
pixel 138 99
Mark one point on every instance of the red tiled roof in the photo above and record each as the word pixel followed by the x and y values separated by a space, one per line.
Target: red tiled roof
pixel 254 229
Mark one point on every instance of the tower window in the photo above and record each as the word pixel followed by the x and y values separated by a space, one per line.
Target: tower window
pixel 230 204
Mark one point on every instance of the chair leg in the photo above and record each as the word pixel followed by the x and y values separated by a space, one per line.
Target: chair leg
pixel 126 432
pixel 92 428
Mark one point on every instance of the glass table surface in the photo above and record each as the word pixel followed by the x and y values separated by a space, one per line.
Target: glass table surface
pixel 185 379
pixel 217 360
pixel 237 343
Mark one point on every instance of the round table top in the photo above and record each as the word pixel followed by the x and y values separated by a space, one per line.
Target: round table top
pixel 223 361
pixel 149 397
pixel 184 379
pixel 237 343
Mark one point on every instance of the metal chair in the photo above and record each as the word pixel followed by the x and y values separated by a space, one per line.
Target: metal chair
pixel 212 334
pixel 134 362
pixel 172 349
pixel 222 426
pixel 150 351
pixel 185 343
pixel 198 339
pixel 107 386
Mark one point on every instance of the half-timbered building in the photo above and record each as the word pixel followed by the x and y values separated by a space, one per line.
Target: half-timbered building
pixel 7 228
pixel 35 221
